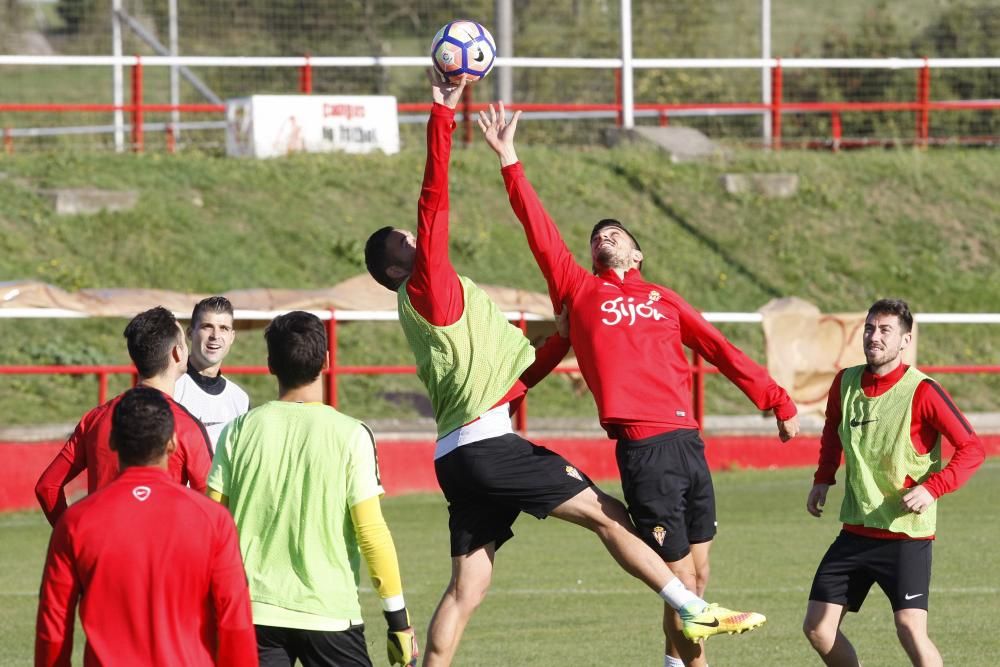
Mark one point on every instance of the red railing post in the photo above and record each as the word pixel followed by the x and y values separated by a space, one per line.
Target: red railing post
pixel 137 138
pixel 8 141
pixel 306 77
pixel 924 100
pixel 102 387
pixel 836 130
pixel 698 388
pixel 467 115
pixel 331 350
pixel 619 104
pixel 521 416
pixel 776 92
pixel 171 139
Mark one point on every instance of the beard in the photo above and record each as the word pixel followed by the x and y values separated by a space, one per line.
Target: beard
pixel 881 356
pixel 611 257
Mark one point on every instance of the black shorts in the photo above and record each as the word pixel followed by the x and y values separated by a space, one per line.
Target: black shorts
pixel 281 647
pixel 668 490
pixel 487 483
pixel 901 568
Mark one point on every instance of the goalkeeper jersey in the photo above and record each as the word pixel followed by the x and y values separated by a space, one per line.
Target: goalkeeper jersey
pixel 291 472
pixel 215 401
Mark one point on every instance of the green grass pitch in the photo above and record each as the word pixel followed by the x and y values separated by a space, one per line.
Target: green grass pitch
pixel 558 599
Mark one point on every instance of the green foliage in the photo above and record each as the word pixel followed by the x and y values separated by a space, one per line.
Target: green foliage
pixel 84 15
pixel 964 31
pixel 557 598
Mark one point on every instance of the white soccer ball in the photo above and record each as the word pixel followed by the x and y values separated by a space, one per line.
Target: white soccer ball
pixel 463 49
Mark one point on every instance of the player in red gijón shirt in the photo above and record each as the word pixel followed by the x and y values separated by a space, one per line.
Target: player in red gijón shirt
pixel 158 348
pixel 629 336
pixel 886 420
pixel 155 566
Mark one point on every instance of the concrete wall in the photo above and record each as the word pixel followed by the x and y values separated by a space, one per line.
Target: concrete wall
pixel 407 465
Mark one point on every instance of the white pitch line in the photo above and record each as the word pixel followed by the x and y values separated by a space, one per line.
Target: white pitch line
pixel 638 591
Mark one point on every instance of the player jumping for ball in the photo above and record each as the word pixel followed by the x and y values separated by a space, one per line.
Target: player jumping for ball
pixel 629 337
pixel 474 365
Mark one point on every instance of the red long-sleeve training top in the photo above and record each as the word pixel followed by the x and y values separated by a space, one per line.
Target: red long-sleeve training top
pixel 157 570
pixel 629 335
pixel 933 413
pixel 88 449
pixel 434 288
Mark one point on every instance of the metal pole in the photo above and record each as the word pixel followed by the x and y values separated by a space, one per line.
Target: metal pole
pixel 118 92
pixel 331 350
pixel 765 71
pixel 175 78
pixel 138 95
pixel 505 47
pixel 628 101
pixel 776 95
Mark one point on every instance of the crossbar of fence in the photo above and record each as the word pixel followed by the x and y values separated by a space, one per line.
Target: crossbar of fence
pixel 698 368
pixel 625 108
pixel 501 61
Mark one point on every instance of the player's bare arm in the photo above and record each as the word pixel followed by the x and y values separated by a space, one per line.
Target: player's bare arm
pixel 788 429
pixel 443 92
pixel 918 499
pixel 499 132
pixel 817 499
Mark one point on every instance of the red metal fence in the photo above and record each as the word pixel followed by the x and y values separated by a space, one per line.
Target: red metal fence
pixel 921 105
pixel 698 368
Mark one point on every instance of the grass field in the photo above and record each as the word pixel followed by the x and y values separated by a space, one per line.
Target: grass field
pixel 921 225
pixel 557 599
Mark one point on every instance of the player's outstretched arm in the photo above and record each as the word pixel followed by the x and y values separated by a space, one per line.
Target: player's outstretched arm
pixel 445 92
pixel 376 545
pixel 499 133
pixel 552 351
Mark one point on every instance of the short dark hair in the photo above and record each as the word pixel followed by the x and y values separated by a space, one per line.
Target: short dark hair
pixel 141 426
pixel 377 258
pixel 151 335
pixel 212 304
pixel 611 222
pixel 896 307
pixel 296 348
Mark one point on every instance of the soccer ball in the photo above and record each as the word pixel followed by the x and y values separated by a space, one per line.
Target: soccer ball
pixel 463 49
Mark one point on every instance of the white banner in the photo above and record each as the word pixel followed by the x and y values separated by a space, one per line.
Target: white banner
pixel 265 126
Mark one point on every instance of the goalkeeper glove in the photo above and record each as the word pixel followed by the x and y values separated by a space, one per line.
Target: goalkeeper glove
pixel 401 642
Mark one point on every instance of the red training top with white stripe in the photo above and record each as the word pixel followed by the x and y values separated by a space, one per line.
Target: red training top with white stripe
pixel 933 414
pixel 629 335
pixel 88 449
pixel 157 570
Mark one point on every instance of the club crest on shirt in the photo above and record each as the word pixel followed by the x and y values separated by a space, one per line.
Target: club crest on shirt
pixel 574 473
pixel 141 493
pixel 654 295
pixel 659 534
